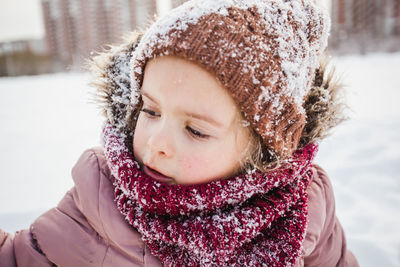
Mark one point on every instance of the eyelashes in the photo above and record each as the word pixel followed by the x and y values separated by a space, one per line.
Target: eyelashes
pixel 151 114
pixel 196 134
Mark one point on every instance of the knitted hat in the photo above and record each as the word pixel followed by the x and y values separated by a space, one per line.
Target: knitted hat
pixel 264 52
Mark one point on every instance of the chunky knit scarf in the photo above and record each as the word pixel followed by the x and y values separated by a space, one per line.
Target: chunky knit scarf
pixel 253 219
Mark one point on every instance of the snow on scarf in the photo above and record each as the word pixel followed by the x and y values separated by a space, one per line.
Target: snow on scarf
pixel 255 219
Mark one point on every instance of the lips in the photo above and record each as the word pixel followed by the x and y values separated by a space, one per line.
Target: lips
pixel 159 177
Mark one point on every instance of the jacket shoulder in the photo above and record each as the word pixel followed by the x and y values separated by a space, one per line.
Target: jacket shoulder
pixel 325 242
pixel 68 224
pixel 92 163
pixel 92 179
pixel 318 206
pixel 86 228
pixel 72 233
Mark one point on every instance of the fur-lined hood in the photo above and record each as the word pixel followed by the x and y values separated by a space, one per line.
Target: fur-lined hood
pixel 111 76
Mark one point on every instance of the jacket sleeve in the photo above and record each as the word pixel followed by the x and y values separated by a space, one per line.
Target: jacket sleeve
pixel 55 234
pixel 7 258
pixel 20 250
pixel 66 234
pixel 325 242
pixel 85 229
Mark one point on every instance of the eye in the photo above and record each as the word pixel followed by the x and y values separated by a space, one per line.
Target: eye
pixel 150 113
pixel 196 134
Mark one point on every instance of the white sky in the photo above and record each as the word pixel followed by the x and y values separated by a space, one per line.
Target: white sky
pixel 20 19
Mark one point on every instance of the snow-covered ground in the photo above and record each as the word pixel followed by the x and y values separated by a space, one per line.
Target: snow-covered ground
pixel 47 121
pixel 362 158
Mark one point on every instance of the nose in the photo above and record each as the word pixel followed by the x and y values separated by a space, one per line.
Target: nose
pixel 161 142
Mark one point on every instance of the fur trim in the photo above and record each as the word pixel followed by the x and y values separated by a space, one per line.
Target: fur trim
pixel 110 71
pixel 324 105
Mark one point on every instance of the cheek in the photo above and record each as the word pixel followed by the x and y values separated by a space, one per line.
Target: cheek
pixel 205 168
pixel 195 167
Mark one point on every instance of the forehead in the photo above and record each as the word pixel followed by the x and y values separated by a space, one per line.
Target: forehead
pixel 178 83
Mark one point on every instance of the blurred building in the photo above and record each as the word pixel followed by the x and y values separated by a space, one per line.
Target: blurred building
pixel 176 3
pixel 74 28
pixel 24 57
pixel 34 46
pixel 365 25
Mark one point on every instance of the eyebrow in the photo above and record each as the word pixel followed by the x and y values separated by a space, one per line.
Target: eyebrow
pixel 204 118
pixel 148 96
pixel 190 114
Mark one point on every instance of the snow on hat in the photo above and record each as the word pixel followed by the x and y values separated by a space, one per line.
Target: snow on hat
pixel 264 52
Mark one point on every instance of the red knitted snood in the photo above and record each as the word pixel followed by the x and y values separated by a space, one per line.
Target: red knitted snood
pixel 256 219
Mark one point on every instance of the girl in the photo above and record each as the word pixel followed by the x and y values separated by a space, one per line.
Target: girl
pixel 212 121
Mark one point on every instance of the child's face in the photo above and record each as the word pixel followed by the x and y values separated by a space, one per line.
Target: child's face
pixel 188 131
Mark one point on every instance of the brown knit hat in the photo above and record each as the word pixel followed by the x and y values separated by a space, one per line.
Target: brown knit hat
pixel 264 52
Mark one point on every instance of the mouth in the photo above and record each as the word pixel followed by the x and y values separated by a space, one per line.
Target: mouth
pixel 159 177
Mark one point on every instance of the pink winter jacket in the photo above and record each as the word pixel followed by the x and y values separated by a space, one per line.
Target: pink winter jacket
pixel 86 228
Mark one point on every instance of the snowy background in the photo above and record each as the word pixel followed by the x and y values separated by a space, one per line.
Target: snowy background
pixel 47 121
